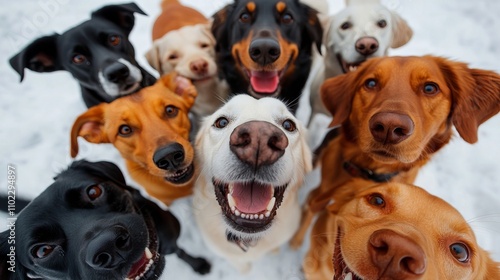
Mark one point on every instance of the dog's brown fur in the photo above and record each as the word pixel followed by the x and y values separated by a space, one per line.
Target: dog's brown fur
pixel 152 128
pixel 421 222
pixel 466 98
pixel 174 16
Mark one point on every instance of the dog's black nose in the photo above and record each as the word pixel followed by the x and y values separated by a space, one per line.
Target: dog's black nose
pixel 116 72
pixel 109 249
pixel 169 157
pixel 264 50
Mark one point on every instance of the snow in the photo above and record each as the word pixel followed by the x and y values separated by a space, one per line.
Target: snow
pixel 36 116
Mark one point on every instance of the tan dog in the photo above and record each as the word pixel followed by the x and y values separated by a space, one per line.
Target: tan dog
pixel 150 129
pixel 183 43
pixel 396 112
pixel 362 30
pixel 254 157
pixel 394 231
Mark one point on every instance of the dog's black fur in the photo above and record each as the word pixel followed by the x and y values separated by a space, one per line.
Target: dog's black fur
pixel 92 47
pixel 90 225
pixel 305 31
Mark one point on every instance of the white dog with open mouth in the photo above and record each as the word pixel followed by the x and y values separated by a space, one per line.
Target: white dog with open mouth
pixel 253 157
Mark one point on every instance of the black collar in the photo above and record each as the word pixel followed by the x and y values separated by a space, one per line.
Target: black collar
pixel 357 171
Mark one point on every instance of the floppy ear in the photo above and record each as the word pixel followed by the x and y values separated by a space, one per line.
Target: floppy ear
pixel 153 56
pixel 89 125
pixel 39 56
pixel 475 94
pixel 314 30
pixel 180 86
pixel 218 26
pixel 401 31
pixel 121 15
pixel 336 94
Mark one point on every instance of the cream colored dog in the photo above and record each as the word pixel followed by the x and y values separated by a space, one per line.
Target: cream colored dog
pixel 364 29
pixel 254 156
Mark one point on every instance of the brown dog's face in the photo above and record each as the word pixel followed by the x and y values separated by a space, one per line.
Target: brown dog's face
pixel 398 109
pixel 150 128
pixel 398 231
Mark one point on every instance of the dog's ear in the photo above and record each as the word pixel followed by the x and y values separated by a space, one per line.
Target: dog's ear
pixel 180 86
pixel 121 15
pixel 219 29
pixel 38 56
pixel 153 56
pixel 475 94
pixel 336 94
pixel 401 31
pixel 89 125
pixel 313 27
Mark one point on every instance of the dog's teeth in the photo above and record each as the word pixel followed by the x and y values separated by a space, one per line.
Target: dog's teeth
pixel 148 253
pixel 243 216
pixel 233 209
pixel 268 213
pixel 250 216
pixel 236 212
pixel 230 188
pixel 270 206
pixel 348 276
pixel 230 201
pixel 261 216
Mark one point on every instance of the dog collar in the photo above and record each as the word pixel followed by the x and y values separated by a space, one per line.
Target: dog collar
pixel 365 173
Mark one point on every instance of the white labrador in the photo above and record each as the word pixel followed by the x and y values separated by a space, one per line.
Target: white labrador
pixel 253 157
pixel 364 29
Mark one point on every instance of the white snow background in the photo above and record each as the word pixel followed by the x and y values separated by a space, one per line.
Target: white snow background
pixel 36 117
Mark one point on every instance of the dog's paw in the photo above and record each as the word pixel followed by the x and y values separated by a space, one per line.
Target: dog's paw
pixel 202 266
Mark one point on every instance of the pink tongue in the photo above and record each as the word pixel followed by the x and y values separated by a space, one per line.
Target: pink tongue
pixel 252 198
pixel 264 81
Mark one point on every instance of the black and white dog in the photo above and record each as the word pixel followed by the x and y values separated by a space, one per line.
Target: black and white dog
pixel 89 224
pixel 96 52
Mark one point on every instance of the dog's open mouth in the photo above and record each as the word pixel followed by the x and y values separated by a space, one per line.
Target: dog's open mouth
pixel 141 269
pixel 342 271
pixel 181 176
pixel 348 67
pixel 249 206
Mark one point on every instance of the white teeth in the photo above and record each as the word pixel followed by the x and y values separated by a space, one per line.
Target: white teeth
pixel 270 206
pixel 268 213
pixel 231 187
pixel 348 276
pixel 149 255
pixel 230 201
pixel 243 216
pixel 251 217
pixel 261 216
pixel 236 212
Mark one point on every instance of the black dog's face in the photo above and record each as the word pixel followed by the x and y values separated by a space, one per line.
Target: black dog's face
pixel 87 226
pixel 267 39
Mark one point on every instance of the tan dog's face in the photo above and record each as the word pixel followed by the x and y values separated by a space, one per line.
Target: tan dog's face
pixel 253 154
pixel 149 128
pixel 189 51
pixel 398 109
pixel 398 231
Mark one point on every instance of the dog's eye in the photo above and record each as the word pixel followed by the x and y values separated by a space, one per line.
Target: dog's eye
pixel 124 130
pixel 78 58
pixel 346 25
pixel 382 23
pixel 221 122
pixel 460 252
pixel 245 17
pixel 114 40
pixel 431 89
pixel 42 251
pixel 171 111
pixel 371 83
pixel 94 192
pixel 173 56
pixel 376 200
pixel 204 45
pixel 289 125
pixel 286 19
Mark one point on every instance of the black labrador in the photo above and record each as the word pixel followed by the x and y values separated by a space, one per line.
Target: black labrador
pixel 97 53
pixel 90 225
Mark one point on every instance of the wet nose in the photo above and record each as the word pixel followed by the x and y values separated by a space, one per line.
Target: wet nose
pixel 109 249
pixel 169 157
pixel 199 66
pixel 390 128
pixel 264 50
pixel 366 45
pixel 116 72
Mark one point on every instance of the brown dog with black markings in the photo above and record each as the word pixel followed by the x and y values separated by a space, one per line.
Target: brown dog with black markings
pixel 150 129
pixel 395 113
pixel 394 231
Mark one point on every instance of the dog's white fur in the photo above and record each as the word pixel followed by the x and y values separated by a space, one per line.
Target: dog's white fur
pixel 363 15
pixel 216 160
pixel 177 49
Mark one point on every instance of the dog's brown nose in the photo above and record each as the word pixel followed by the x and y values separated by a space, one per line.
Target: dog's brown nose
pixel 390 128
pixel 366 45
pixel 258 143
pixel 199 66
pixel 396 256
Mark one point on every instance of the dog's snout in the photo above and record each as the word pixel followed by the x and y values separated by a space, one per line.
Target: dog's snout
pixel 169 157
pixel 109 249
pixel 366 45
pixel 264 50
pixel 258 143
pixel 390 128
pixel 396 256
pixel 116 72
pixel 199 66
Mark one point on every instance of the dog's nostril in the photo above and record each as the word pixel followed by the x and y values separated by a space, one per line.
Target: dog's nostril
pixel 179 156
pixel 399 131
pixel 379 127
pixel 122 241
pixel 103 259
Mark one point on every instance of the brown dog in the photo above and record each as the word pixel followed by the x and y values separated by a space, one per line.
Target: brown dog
pixel 150 129
pixel 395 114
pixel 394 231
pixel 174 16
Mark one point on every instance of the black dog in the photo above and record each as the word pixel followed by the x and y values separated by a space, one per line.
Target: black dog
pixel 264 47
pixel 90 225
pixel 96 52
